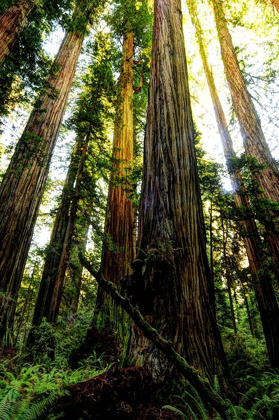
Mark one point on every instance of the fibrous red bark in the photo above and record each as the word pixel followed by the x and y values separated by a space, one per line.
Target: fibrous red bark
pixel 173 283
pixel 24 182
pixel 275 4
pixel 118 246
pixel 53 309
pixel 253 137
pixel 55 246
pixel 262 284
pixel 12 22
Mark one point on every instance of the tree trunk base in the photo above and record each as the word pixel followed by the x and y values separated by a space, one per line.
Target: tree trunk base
pixel 104 343
pixel 117 394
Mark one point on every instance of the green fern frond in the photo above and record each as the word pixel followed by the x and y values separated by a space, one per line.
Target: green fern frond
pixel 170 407
pixel 196 405
pixel 235 412
pixel 5 412
pixel 254 412
pixel 37 409
pixel 235 367
pixel 252 393
pixel 193 392
pixel 216 384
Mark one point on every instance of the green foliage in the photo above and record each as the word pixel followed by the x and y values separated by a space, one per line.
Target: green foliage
pixel 53 344
pixel 29 394
pixel 170 407
pixel 31 381
pixel 261 208
pixel 23 73
pixel 132 15
pixel 260 401
pixel 245 354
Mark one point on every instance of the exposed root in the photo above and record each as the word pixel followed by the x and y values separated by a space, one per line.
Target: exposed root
pixel 116 394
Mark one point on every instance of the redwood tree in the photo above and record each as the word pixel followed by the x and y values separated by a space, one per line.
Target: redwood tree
pixel 118 249
pixel 11 23
pixel 172 282
pixel 23 184
pixel 253 137
pixel 55 246
pixel 91 114
pixel 275 4
pixel 53 309
pixel 119 244
pixel 262 283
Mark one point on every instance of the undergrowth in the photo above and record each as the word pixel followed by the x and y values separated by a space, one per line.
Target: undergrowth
pixel 257 386
pixel 32 379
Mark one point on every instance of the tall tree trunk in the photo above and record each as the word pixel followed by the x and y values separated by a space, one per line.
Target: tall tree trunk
pixel 118 246
pixel 27 304
pixel 262 284
pixel 253 137
pixel 250 321
pixel 55 247
pixel 228 277
pixel 77 270
pixel 11 23
pixel 211 239
pixel 173 279
pixel 24 182
pixel 275 4
pixel 53 309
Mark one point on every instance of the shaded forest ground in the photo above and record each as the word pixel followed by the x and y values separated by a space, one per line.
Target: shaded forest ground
pixel 75 373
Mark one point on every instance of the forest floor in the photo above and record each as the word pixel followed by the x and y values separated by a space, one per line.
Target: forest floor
pixel 79 376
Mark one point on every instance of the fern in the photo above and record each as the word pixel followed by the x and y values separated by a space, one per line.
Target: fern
pixel 216 385
pixel 29 394
pixel 37 409
pixel 235 367
pixel 235 412
pixel 249 394
pixel 197 406
pixel 4 411
pixel 170 407
pixel 254 413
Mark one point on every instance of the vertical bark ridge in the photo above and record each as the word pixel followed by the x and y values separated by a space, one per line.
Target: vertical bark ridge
pixel 12 22
pixel 174 275
pixel 77 270
pixel 118 246
pixel 24 182
pixel 253 137
pixel 55 247
pixel 53 309
pixel 275 4
pixel 262 284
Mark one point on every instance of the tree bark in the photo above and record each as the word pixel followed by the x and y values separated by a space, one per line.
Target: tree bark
pixel 185 369
pixel 173 279
pixel 253 137
pixel 76 272
pixel 55 247
pixel 228 278
pixel 262 284
pixel 11 23
pixel 58 283
pixel 118 246
pixel 249 316
pixel 24 182
pixel 275 4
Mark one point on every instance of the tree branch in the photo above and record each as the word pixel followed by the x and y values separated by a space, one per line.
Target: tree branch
pixel 204 388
